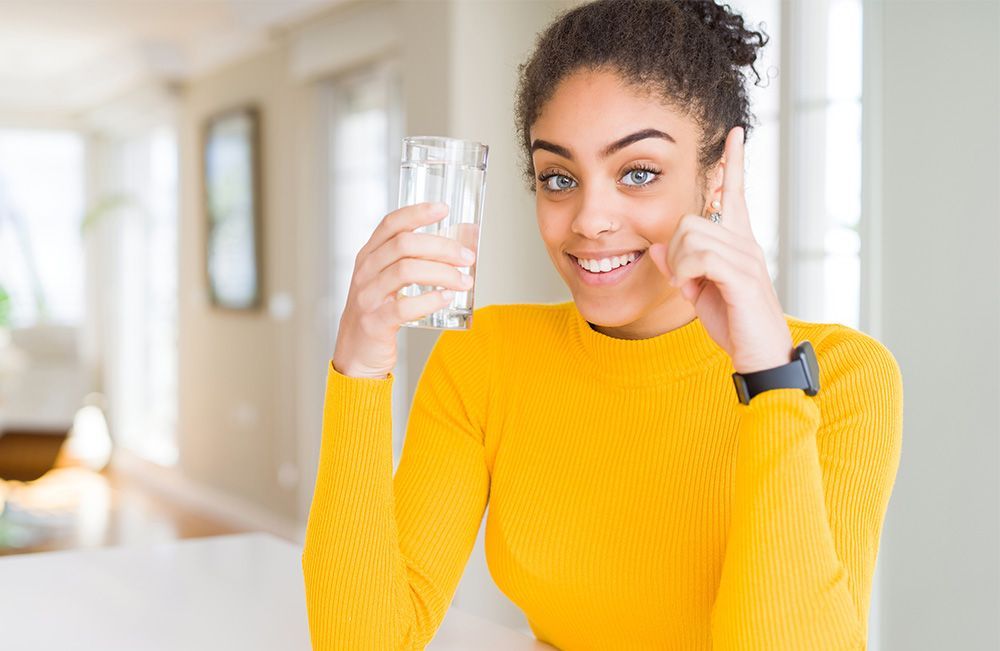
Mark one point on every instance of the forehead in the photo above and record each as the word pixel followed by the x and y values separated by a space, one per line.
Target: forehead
pixel 589 109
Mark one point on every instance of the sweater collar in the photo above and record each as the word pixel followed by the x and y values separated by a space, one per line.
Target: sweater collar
pixel 667 356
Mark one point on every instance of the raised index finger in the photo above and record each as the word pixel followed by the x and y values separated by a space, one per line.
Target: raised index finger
pixel 733 201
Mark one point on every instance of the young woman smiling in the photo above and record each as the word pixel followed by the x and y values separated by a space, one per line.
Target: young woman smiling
pixel 637 500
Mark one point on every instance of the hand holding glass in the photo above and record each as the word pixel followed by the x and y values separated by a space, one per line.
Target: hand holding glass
pixel 395 256
pixel 453 172
pixel 413 260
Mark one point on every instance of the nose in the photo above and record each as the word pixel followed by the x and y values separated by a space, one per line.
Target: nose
pixel 595 212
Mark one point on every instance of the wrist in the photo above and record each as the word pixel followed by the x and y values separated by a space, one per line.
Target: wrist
pixel 764 363
pixel 799 372
pixel 351 372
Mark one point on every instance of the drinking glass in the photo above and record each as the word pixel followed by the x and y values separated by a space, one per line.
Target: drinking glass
pixel 452 171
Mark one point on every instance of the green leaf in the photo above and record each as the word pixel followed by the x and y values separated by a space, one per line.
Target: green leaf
pixel 5 308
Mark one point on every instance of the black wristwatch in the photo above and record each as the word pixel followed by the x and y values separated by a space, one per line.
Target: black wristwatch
pixel 800 373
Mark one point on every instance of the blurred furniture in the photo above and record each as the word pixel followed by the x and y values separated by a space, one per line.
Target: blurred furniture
pixel 51 387
pixel 27 454
pixel 242 591
pixel 37 406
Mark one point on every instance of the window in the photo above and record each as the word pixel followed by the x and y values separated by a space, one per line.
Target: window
pixel 41 209
pixel 823 176
pixel 142 328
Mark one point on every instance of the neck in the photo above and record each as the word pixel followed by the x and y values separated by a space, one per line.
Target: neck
pixel 669 315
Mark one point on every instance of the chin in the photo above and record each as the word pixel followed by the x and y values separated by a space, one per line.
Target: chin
pixel 608 311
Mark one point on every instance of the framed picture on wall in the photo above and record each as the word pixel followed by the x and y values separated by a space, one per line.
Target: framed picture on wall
pixel 231 181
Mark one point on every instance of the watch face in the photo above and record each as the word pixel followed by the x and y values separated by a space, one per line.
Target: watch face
pixel 808 357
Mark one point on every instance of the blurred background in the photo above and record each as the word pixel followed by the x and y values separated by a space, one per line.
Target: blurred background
pixel 162 367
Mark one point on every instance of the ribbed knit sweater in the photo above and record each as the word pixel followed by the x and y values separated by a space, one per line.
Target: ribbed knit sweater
pixel 635 503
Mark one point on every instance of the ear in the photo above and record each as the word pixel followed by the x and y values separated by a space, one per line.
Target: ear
pixel 713 185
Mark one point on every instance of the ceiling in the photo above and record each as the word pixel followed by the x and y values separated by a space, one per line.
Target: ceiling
pixel 64 56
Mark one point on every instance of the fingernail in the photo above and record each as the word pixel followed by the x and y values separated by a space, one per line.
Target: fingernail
pixel 447 294
pixel 466 280
pixel 468 255
pixel 438 208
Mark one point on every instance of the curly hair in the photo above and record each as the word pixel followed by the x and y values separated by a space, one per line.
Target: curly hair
pixel 688 53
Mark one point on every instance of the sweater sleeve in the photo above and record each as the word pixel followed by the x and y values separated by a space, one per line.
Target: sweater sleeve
pixel 813 478
pixel 383 554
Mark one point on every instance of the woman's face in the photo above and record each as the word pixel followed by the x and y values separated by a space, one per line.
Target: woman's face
pixel 599 198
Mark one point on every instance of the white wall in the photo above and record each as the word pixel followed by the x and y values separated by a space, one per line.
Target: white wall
pixel 236 371
pixel 938 105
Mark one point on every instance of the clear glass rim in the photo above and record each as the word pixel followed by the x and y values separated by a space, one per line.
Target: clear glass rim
pixel 444 149
pixel 446 140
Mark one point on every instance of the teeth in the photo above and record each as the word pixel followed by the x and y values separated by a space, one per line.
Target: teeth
pixel 607 264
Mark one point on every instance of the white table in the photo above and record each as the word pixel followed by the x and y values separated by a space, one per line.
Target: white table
pixel 228 592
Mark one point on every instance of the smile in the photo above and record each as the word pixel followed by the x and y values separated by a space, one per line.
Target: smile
pixel 603 278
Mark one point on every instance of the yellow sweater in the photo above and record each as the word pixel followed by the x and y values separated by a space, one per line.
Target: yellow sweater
pixel 635 503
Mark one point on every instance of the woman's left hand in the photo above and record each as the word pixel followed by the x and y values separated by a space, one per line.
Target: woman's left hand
pixel 722 271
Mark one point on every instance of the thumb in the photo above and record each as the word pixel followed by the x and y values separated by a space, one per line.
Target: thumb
pixel 658 254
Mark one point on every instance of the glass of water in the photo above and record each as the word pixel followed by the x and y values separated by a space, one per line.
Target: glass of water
pixel 452 171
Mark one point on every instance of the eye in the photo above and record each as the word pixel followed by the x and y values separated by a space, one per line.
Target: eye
pixel 642 175
pixel 562 182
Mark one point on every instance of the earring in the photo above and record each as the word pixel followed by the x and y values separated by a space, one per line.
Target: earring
pixel 716 205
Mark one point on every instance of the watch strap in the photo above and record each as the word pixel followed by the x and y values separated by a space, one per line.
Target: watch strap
pixel 800 373
pixel 787 376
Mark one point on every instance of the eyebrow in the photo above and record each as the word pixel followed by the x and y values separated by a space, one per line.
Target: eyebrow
pixel 617 145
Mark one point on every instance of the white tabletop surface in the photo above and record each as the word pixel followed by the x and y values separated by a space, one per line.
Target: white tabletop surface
pixel 228 592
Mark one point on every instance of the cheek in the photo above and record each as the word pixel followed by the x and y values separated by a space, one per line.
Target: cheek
pixel 553 224
pixel 657 224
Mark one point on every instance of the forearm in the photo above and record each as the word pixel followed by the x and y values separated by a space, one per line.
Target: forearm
pixel 783 584
pixel 383 553
pixel 356 585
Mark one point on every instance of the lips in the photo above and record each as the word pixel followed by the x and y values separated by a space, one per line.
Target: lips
pixel 605 278
pixel 598 255
pixel 628 257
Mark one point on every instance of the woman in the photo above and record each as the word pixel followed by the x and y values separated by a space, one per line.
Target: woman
pixel 636 501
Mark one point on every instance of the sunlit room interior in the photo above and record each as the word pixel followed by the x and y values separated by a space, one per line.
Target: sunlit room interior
pixel 162 376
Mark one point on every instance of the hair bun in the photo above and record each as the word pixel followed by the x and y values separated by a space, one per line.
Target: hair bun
pixel 742 44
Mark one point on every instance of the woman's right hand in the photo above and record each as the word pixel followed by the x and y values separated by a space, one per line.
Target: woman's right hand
pixel 393 258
